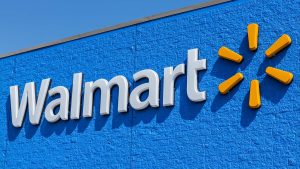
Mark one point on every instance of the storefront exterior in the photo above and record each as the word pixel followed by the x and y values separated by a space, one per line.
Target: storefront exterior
pixel 145 124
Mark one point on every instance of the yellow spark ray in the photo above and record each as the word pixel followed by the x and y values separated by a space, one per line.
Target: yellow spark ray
pixel 228 54
pixel 282 42
pixel 254 97
pixel 253 36
pixel 228 84
pixel 280 75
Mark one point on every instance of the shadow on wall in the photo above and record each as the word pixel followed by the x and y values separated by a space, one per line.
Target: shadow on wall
pixel 224 69
pixel 47 129
pixel 188 111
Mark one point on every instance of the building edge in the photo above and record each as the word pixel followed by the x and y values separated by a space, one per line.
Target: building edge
pixel 118 26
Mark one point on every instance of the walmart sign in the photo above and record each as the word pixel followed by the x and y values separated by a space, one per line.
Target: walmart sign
pixel 35 105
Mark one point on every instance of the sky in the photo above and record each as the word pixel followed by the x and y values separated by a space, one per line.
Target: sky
pixel 29 23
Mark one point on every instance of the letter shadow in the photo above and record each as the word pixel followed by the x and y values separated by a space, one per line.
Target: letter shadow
pixel 82 123
pixel 147 115
pixel 46 128
pixel 117 118
pixel 12 132
pixel 189 110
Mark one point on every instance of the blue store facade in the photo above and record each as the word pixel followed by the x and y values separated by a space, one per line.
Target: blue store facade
pixel 220 132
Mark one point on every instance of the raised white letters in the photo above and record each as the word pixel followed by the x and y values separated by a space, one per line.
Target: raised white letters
pixel 105 88
pixel 28 98
pixel 62 102
pixel 151 86
pixel 76 96
pixel 193 66
pixel 170 76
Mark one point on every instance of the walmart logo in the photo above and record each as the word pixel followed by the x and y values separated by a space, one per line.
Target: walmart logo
pixel 280 75
pixel 70 101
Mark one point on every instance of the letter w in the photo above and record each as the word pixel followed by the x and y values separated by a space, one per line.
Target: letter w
pixel 28 98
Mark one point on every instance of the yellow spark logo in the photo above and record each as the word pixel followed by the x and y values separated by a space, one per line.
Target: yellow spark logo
pixel 280 75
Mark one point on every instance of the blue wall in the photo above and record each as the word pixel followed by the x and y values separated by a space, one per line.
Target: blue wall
pixel 221 132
